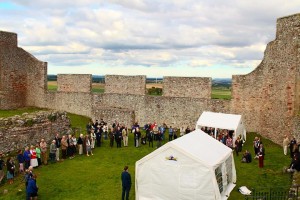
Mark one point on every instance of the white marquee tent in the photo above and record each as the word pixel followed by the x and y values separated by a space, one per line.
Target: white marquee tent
pixel 195 166
pixel 223 121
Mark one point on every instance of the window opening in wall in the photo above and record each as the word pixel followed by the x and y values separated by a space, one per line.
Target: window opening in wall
pixel 221 88
pixel 98 83
pixel 52 82
pixel 154 86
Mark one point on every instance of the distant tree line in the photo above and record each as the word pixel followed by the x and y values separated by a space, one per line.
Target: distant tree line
pixel 216 83
pixel 101 79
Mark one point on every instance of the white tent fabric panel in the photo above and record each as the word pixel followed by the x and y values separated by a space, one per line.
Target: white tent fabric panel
pixel 222 121
pixel 190 176
pixel 203 150
pixel 219 120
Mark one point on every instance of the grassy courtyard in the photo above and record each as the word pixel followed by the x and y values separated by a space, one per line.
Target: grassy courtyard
pixel 98 176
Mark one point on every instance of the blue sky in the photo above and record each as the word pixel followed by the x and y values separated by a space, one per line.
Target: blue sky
pixel 208 38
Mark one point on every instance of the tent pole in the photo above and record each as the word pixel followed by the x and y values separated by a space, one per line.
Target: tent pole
pixel 215 133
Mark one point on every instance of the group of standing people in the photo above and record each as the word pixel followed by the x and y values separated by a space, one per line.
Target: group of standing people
pixel 259 151
pixel 119 132
pixel 294 153
pixel 31 187
pixel 32 156
pixel 226 137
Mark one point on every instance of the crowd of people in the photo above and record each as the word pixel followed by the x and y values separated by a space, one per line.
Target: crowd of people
pixel 69 145
pixel 66 146
pixel 226 137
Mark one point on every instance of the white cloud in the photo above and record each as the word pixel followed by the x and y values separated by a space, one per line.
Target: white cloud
pixel 186 37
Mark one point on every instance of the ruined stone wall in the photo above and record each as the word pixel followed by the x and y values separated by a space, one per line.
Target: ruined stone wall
pixel 194 87
pixel 175 111
pixel 19 131
pixel 296 127
pixel 110 115
pixel 125 84
pixel 74 102
pixel 7 38
pixel 267 96
pixel 118 104
pixel 74 83
pixel 23 77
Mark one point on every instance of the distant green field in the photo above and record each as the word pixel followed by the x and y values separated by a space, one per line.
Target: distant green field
pixel 221 93
pixel 52 87
pixel 98 90
pixel 95 88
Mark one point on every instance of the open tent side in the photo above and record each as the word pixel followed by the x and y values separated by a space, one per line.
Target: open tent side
pixel 190 174
pixel 232 122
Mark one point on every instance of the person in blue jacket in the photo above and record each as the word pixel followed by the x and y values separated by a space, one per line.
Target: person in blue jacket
pixel 32 188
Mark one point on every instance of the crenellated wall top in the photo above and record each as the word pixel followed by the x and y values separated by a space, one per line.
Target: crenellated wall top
pixel 8 38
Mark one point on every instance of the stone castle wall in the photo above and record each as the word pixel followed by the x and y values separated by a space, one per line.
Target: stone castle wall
pixel 125 84
pixel 194 87
pixel 7 38
pixel 75 102
pixel 110 115
pixel 268 98
pixel 174 111
pixel 20 131
pixel 74 82
pixel 23 79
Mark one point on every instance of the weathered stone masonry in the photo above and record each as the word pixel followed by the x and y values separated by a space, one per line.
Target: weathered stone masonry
pixel 20 131
pixel 268 97
pixel 74 83
pixel 22 77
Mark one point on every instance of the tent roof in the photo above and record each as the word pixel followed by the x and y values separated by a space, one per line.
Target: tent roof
pixel 219 120
pixel 197 145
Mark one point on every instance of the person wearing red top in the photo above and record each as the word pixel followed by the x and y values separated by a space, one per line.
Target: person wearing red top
pixel 33 157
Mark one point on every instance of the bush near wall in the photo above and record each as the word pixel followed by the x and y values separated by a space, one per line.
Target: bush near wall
pixel 154 91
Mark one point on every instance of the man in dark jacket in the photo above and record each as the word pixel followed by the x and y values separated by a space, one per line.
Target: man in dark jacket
pixel 32 188
pixel 126 183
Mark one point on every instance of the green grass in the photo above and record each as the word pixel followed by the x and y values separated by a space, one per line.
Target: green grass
pixel 217 93
pixel 94 177
pixel 79 122
pixel 98 176
pixel 20 111
pixel 98 90
pixel 95 89
pixel 52 87
pixel 271 176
